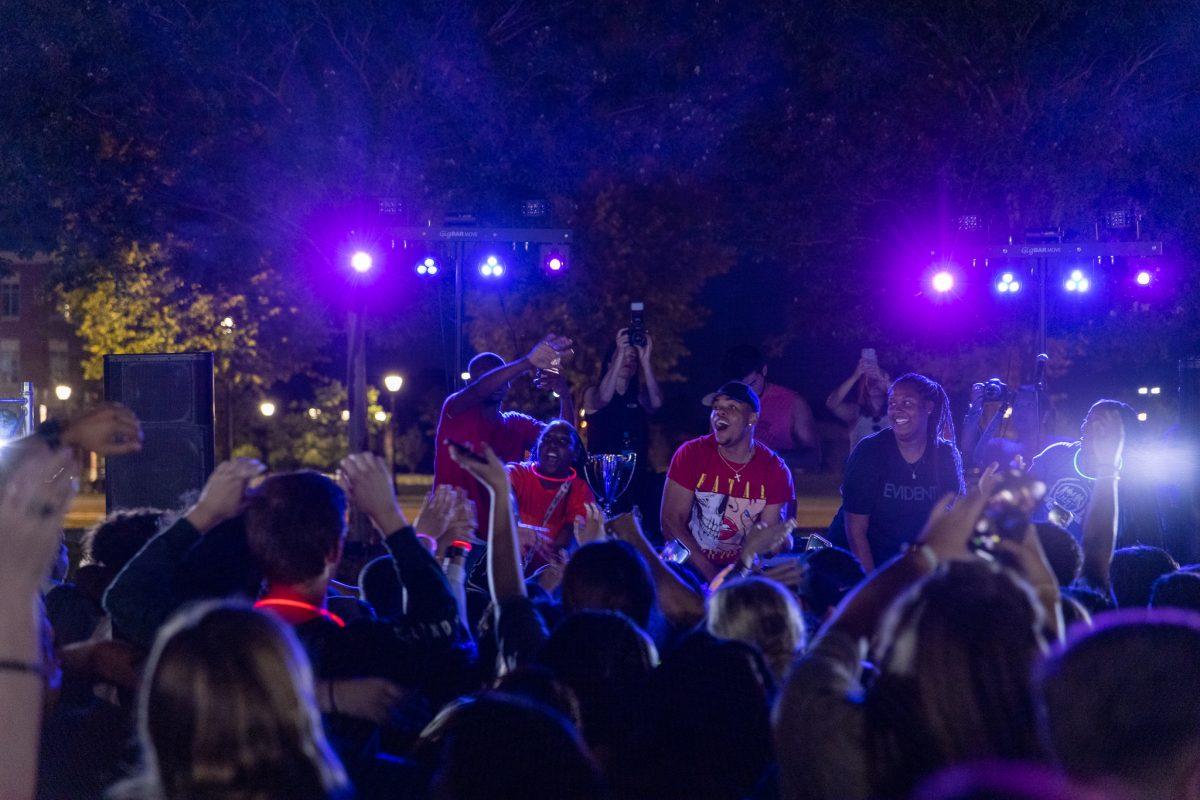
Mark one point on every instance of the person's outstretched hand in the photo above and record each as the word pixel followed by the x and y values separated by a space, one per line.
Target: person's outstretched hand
pixel 224 494
pixel 948 532
pixel 1107 435
pixel 368 480
pixel 487 468
pixel 109 429
pixel 33 502
pixel 550 352
pixel 764 539
pixel 435 515
pixel 589 528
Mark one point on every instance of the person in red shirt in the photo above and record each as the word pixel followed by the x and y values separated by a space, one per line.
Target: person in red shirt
pixel 549 490
pixel 721 485
pixel 472 416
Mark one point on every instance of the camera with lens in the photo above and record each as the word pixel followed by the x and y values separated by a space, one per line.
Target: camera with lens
pixel 996 391
pixel 637 324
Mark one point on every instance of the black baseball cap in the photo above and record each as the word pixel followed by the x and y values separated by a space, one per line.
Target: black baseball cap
pixel 736 390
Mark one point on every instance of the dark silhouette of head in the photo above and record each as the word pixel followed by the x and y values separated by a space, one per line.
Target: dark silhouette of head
pixel 1062 551
pixel 1176 590
pixel 1121 703
pixel 609 576
pixel 502 747
pixel 1133 572
pixel 294 525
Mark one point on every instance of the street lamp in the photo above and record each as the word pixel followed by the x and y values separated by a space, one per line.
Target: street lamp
pixel 62 392
pixel 266 408
pixel 393 382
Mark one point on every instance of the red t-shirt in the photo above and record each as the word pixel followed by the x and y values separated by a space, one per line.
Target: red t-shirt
pixel 723 508
pixel 535 496
pixel 511 436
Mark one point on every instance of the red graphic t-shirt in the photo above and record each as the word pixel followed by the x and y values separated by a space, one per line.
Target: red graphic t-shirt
pixel 511 436
pixel 723 507
pixel 535 496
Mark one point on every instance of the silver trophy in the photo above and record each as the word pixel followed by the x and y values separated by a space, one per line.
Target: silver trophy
pixel 609 475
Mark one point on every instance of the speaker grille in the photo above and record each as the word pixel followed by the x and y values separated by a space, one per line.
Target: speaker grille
pixel 172 394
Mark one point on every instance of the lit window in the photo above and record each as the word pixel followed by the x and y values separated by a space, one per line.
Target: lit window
pixel 10 297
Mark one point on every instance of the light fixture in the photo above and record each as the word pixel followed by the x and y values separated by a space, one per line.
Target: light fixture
pixel 428 267
pixel 1143 416
pixel 314 413
pixel 345 415
pixel 381 416
pixel 1077 282
pixel 466 376
pixel 942 281
pixel 491 267
pixel 1143 277
pixel 362 261
pixel 1155 390
pixel 393 382
pixel 266 408
pixel 1007 283
pixel 1143 390
pixel 62 392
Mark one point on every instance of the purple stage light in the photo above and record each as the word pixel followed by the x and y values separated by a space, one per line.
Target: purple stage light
pixel 942 281
pixel 362 261
pixel 427 266
pixel 1144 277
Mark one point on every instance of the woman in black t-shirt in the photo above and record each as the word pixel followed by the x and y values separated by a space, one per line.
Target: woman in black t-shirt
pixel 894 478
pixel 618 410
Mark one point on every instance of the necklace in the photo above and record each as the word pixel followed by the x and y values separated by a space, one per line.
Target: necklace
pixel 534 470
pixel 736 469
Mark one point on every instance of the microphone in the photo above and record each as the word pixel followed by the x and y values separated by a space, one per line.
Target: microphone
pixel 1039 372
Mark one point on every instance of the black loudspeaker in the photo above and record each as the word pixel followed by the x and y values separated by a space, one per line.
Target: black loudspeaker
pixel 172 395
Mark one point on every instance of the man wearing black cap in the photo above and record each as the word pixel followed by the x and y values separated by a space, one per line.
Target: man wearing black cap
pixel 720 485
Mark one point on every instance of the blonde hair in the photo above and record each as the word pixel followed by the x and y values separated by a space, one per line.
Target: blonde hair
pixel 226 710
pixel 760 613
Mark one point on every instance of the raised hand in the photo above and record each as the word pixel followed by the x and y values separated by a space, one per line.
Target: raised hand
pixel 765 539
pixel 590 527
pixel 109 429
pixel 224 494
pixel 948 532
pixel 368 479
pixel 645 350
pixel 434 516
pixel 33 502
pixel 550 352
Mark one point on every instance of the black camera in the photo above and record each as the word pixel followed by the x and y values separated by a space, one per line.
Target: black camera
pixel 996 390
pixel 637 324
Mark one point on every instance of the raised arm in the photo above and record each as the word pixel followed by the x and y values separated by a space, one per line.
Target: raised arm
pixel 506 578
pixel 33 503
pixel 428 605
pixel 804 426
pixel 542 356
pixel 836 402
pixel 599 397
pixel 653 399
pixel 682 605
pixel 1102 513
pixel 142 597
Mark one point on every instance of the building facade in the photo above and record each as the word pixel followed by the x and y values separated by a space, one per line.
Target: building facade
pixel 37 343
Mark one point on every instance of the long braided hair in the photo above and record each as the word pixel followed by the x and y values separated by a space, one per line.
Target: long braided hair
pixel 941 425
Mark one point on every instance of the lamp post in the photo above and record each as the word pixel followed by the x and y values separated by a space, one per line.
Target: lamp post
pixel 393 382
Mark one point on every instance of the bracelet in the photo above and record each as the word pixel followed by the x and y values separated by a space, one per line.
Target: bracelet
pixel 23 666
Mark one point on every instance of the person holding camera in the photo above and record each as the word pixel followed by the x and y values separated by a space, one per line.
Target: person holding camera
pixel 894 478
pixel 867 412
pixel 618 410
pixel 1000 425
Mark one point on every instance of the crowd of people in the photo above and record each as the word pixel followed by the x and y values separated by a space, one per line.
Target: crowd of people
pixel 1009 632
